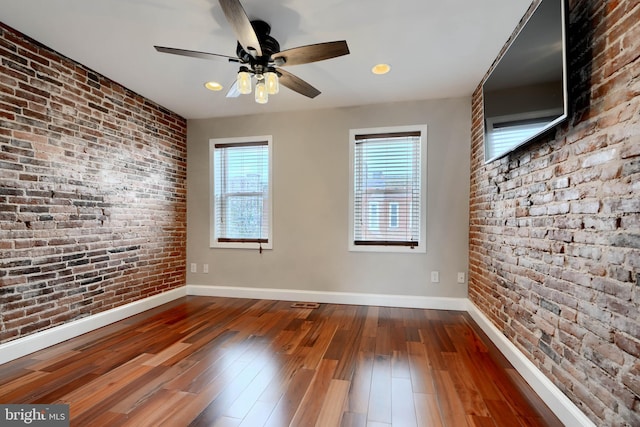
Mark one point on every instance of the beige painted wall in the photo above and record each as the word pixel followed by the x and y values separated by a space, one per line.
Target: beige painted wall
pixel 310 208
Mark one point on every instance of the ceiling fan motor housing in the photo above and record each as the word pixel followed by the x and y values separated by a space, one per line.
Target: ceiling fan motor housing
pixel 268 44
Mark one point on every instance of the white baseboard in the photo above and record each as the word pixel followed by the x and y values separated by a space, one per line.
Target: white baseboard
pixel 556 400
pixel 383 300
pixel 39 340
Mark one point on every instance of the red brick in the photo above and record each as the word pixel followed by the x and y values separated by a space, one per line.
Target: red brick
pixel 60 205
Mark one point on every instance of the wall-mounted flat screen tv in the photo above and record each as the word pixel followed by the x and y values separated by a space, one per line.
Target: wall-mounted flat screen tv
pixel 526 93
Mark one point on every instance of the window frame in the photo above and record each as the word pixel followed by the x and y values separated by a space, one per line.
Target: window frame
pixel 214 240
pixel 421 247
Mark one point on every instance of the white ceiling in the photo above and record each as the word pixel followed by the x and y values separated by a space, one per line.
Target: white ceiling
pixel 436 48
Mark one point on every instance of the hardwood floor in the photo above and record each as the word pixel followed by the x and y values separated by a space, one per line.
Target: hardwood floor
pixel 202 361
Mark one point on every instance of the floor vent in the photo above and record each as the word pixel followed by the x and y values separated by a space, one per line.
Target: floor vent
pixel 305 305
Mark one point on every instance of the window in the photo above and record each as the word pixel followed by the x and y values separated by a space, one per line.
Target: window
pixel 394 210
pixel 374 216
pixel 387 189
pixel 241 199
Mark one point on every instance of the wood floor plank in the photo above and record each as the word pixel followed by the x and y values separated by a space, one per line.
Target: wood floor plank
pixel 383 333
pixel 98 390
pixel 145 389
pixel 500 416
pixel 334 404
pixel 400 367
pixel 108 419
pixel 42 362
pixel 229 393
pixel 154 410
pixel 350 419
pixel 16 391
pixel 477 421
pixel 258 414
pixel 427 410
pixel 315 395
pixel 403 411
pixel 55 392
pixel 201 374
pixel 287 406
pixel 288 366
pixel 420 370
pixel 212 361
pixel 346 362
pixel 360 389
pixel 319 340
pixel 466 389
pixel 195 368
pixel 370 328
pixel 195 403
pixel 432 348
pixel 337 344
pixel 167 353
pixel 476 367
pixel 16 369
pixel 398 333
pixel 453 413
pixel 60 378
pixel 248 398
pixel 379 409
pixel 227 422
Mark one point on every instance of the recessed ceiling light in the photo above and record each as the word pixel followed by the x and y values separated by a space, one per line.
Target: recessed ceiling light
pixel 381 69
pixel 215 86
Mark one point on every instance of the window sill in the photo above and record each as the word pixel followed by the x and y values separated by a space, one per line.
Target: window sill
pixel 387 248
pixel 241 245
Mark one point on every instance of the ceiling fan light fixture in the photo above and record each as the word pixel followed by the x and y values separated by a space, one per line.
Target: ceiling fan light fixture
pixel 262 96
pixel 244 81
pixel 271 80
pixel 259 54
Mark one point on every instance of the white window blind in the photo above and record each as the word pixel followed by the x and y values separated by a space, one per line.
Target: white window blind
pixel 387 189
pixel 394 220
pixel 241 203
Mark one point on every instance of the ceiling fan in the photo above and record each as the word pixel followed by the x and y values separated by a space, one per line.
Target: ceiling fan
pixel 259 56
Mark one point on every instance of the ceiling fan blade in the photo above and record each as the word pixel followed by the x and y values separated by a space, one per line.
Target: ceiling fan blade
pixel 194 53
pixel 312 53
pixel 233 91
pixel 297 84
pixel 241 25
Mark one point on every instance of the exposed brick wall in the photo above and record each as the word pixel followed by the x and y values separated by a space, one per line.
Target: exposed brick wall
pixel 555 226
pixel 92 191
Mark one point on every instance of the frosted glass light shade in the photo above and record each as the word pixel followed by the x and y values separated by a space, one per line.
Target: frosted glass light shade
pixel 244 82
pixel 262 96
pixel 273 86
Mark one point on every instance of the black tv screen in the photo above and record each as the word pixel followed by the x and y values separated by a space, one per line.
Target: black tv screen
pixel 526 93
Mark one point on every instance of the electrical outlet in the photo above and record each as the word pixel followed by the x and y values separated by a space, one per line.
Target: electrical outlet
pixel 194 267
pixel 461 278
pixel 435 277
pixel 205 268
